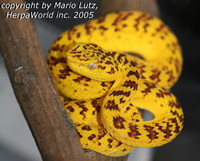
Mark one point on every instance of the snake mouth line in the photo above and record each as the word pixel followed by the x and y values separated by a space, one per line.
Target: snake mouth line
pixel 135 55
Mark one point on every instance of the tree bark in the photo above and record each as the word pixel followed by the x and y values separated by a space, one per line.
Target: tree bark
pixel 37 96
pixel 52 128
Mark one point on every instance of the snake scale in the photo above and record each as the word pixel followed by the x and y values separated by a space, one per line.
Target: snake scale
pixel 110 68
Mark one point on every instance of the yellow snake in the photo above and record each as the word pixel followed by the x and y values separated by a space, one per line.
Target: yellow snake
pixel 111 67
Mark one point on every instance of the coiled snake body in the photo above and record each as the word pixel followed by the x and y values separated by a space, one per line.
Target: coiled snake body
pixel 110 68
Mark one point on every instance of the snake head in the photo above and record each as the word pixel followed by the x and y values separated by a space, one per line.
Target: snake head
pixel 92 61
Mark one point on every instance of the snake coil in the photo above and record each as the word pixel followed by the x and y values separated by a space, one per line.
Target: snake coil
pixel 110 68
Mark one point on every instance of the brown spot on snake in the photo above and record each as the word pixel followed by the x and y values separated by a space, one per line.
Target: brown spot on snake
pixel 86 127
pixel 118 122
pixel 91 137
pixel 152 133
pixel 111 105
pixel 134 131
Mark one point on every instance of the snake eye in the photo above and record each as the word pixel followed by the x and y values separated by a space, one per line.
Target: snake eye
pixel 92 66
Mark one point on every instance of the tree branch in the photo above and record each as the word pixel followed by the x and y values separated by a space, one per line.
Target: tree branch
pixel 37 96
pixel 51 127
pixel 149 6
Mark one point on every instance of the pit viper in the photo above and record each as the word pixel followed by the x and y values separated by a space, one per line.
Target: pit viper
pixel 110 68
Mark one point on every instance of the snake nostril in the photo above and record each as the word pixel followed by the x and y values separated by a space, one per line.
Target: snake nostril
pixel 146 115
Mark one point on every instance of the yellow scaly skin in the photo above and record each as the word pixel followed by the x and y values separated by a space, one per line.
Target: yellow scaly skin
pixel 112 125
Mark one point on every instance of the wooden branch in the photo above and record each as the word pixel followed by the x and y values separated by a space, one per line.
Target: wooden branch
pixel 51 127
pixel 149 6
